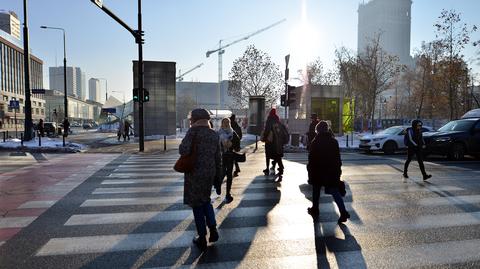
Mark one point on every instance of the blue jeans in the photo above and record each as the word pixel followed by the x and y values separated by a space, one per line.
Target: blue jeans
pixel 201 214
pixel 337 197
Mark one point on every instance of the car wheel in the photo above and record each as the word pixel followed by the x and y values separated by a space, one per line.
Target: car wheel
pixel 457 152
pixel 389 147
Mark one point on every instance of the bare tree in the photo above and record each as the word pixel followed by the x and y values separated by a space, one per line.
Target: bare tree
pixel 454 35
pixel 376 70
pixel 315 74
pixel 255 74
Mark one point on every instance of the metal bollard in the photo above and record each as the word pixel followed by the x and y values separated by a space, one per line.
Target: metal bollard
pixel 256 142
pixel 347 140
pixel 4 137
pixel 21 139
pixel 7 134
pixel 164 143
pixel 39 140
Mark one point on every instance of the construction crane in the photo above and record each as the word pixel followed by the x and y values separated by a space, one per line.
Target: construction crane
pixel 221 51
pixel 180 75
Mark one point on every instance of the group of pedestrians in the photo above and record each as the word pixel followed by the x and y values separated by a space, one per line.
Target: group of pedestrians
pixel 124 129
pixel 215 160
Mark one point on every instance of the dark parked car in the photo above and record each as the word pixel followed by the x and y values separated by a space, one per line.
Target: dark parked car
pixel 455 139
pixel 50 128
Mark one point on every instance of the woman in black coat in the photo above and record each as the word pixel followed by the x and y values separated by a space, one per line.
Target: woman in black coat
pixel 324 169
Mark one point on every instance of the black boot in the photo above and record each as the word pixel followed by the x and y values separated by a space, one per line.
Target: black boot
pixel 200 242
pixel 265 172
pixel 405 175
pixel 213 234
pixel 426 177
pixel 343 217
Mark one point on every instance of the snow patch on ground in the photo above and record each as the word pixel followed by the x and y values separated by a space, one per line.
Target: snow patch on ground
pixel 48 144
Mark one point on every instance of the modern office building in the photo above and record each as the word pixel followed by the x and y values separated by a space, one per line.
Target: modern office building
pixel 10 23
pixel 12 83
pixel 94 90
pixel 78 110
pixel 81 91
pixel 56 79
pixel 391 19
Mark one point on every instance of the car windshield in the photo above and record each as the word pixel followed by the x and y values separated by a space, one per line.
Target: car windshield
pixel 458 125
pixel 390 131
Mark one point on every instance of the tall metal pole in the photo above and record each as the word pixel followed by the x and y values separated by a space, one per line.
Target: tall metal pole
pixel 106 90
pixel 26 62
pixel 65 99
pixel 140 78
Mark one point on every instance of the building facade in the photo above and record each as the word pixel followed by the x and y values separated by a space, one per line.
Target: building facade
pixel 94 90
pixel 12 83
pixel 391 19
pixel 10 24
pixel 78 110
pixel 81 91
pixel 56 79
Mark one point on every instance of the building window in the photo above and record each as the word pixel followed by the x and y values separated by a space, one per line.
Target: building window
pixel 37 111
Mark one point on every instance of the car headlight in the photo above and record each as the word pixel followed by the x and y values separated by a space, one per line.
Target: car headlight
pixel 443 139
pixel 378 139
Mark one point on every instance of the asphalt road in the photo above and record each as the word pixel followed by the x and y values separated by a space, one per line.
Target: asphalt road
pixel 129 214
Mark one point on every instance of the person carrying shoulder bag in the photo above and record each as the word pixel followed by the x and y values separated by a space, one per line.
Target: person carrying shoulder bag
pixel 205 173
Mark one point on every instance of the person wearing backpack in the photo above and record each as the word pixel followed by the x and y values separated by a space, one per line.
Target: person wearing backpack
pixel 205 143
pixel 236 128
pixel 229 140
pixel 414 141
pixel 275 135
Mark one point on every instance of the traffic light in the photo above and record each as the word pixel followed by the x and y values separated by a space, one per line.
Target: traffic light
pixel 283 100
pixel 136 95
pixel 291 95
pixel 146 95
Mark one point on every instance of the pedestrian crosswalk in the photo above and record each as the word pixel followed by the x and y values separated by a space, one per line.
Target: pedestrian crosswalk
pixel 132 216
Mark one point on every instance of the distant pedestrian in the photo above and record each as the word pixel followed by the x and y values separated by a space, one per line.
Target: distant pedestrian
pixel 275 135
pixel 324 170
pixel 238 131
pixel 228 141
pixel 41 128
pixel 126 130
pixel 311 129
pixel 415 144
pixel 66 127
pixel 121 129
pixel 207 172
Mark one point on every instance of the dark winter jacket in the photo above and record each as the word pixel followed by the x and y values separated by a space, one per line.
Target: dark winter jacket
pixel 415 136
pixel 324 163
pixel 198 183
pixel 311 132
pixel 279 136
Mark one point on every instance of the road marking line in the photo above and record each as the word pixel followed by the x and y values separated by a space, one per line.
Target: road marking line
pixel 16 222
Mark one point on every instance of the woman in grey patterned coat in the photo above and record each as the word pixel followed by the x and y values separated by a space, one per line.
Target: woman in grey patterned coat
pixel 207 171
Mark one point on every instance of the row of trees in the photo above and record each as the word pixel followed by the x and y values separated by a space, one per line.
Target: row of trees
pixel 439 85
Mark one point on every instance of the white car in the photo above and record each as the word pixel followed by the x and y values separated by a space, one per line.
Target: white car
pixel 388 140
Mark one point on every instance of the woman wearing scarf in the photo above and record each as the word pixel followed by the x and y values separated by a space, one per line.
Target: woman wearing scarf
pixel 228 139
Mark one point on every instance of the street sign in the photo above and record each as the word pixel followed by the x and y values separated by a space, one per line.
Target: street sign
pixel 38 91
pixel 14 104
pixel 99 3
pixel 109 110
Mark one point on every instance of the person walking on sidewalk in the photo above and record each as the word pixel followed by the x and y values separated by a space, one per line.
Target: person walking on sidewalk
pixel 324 170
pixel 275 135
pixel 236 128
pixel 41 128
pixel 207 172
pixel 229 140
pixel 415 144
pixel 311 129
pixel 126 130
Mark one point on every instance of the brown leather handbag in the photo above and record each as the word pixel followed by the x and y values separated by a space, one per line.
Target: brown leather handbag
pixel 186 163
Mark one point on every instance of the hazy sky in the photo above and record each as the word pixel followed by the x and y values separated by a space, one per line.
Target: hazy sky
pixel 183 30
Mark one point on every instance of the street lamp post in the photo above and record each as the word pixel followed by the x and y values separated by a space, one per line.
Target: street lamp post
pixel 28 127
pixel 65 100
